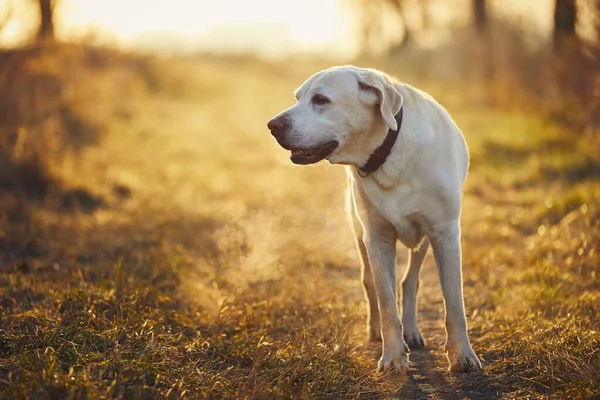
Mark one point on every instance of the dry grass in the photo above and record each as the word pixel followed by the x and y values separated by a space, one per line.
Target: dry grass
pixel 213 268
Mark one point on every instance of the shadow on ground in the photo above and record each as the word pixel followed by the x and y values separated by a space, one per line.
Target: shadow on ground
pixel 428 380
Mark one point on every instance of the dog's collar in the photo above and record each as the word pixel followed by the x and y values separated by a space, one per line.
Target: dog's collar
pixel 380 155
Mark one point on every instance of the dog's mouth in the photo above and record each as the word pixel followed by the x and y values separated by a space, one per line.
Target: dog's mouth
pixel 312 155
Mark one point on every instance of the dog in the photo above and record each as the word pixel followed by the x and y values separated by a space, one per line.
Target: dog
pixel 406 162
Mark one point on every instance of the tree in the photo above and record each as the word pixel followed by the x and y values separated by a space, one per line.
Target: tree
pixel 6 15
pixel 480 14
pixel 596 8
pixel 46 29
pixel 565 19
pixel 371 14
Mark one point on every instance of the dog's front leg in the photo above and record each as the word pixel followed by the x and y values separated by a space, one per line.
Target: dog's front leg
pixel 445 240
pixel 380 241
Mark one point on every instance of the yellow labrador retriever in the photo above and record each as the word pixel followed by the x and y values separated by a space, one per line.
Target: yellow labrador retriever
pixel 406 163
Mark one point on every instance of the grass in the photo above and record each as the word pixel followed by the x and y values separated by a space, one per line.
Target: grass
pixel 180 255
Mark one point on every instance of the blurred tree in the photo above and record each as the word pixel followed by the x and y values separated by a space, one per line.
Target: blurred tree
pixel 480 14
pixel 398 7
pixel 565 19
pixel 597 13
pixel 6 15
pixel 46 29
pixel 425 12
pixel 371 14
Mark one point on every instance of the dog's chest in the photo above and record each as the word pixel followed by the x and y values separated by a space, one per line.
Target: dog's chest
pixel 400 207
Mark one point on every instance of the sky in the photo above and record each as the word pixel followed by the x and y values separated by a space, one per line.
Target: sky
pixel 272 26
pixel 268 27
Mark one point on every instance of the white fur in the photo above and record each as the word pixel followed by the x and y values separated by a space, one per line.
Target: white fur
pixel 414 197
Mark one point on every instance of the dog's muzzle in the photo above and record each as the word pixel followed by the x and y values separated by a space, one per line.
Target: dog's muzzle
pixel 313 155
pixel 300 155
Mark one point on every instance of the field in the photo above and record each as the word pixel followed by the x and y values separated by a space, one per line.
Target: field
pixel 165 247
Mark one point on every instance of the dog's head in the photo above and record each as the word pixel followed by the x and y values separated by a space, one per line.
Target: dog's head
pixel 341 115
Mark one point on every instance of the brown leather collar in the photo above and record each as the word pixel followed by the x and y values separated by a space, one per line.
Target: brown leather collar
pixel 381 154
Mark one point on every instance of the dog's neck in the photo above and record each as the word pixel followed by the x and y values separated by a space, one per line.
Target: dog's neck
pixel 381 153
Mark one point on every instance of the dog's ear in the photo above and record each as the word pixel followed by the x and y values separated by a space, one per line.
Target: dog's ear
pixel 388 98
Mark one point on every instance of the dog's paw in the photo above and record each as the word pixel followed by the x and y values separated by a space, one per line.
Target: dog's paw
pixel 464 361
pixel 396 361
pixel 413 338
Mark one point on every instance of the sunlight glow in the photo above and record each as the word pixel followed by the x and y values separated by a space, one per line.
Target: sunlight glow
pixel 264 26
pixel 267 27
pixel 275 25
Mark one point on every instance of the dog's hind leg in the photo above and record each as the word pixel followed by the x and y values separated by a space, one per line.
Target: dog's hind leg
pixel 410 288
pixel 445 242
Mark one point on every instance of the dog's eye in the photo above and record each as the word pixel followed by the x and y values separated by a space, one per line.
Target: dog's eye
pixel 320 100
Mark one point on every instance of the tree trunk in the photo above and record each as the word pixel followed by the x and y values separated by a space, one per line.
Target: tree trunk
pixel 407 37
pixel 597 21
pixel 424 7
pixel 565 18
pixel 480 14
pixel 46 31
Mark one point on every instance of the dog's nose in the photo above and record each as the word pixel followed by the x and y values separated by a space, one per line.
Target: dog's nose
pixel 277 126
